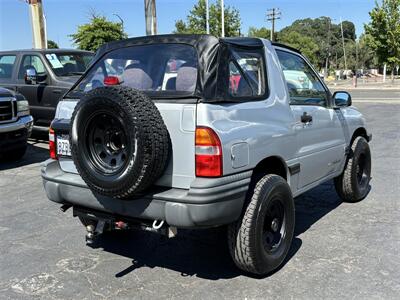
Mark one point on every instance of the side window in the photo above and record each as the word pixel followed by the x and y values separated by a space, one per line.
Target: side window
pixel 303 84
pixel 6 66
pixel 246 74
pixel 31 61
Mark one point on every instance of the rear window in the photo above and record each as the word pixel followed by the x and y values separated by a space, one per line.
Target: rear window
pixel 161 69
pixel 6 65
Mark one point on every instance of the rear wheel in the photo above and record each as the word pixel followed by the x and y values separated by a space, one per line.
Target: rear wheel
pixel 353 184
pixel 261 239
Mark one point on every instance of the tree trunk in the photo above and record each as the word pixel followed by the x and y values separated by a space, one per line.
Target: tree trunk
pixel 392 74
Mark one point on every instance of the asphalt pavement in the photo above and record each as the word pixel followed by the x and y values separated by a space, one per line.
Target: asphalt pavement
pixel 340 250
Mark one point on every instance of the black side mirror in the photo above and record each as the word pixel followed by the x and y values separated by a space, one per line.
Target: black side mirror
pixel 342 99
pixel 31 76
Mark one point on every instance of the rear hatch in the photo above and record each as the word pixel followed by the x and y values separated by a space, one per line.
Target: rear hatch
pixel 165 72
pixel 180 121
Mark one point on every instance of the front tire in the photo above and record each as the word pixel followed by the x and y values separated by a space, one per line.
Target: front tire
pixel 353 184
pixel 260 241
pixel 15 154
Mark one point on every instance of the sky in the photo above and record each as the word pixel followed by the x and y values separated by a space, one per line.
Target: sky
pixel 64 16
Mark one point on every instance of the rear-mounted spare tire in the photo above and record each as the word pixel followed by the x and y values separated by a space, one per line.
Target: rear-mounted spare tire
pixel 119 142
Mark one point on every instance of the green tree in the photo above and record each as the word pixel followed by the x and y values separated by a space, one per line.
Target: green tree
pixel 325 34
pixel 262 32
pixel 384 32
pixel 301 42
pixel 196 20
pixel 98 31
pixel 52 44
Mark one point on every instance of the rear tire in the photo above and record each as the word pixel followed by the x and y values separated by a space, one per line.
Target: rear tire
pixel 353 184
pixel 260 241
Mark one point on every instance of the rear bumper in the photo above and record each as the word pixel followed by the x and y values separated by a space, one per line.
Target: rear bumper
pixel 208 202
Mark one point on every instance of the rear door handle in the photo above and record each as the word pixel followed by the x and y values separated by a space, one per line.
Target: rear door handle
pixel 305 118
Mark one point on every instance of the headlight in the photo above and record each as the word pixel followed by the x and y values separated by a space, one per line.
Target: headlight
pixel 22 107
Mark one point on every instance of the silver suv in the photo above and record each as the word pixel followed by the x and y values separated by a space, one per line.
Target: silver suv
pixel 192 131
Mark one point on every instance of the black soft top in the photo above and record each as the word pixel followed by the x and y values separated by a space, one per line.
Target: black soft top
pixel 211 51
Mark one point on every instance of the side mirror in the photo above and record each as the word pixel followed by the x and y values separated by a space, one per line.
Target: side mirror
pixel 31 76
pixel 342 99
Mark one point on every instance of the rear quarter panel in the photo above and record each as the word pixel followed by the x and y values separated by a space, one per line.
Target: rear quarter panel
pixel 266 126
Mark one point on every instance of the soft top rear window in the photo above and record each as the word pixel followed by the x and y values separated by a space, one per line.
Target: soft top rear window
pixel 158 69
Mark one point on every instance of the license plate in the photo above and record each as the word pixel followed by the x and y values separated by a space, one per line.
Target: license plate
pixel 63 148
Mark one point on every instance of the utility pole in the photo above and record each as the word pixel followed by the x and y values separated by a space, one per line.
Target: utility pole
pixel 222 19
pixel 344 49
pixel 150 17
pixel 328 50
pixel 38 24
pixel 272 15
pixel 207 18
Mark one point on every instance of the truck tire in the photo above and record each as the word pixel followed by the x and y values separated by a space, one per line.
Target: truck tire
pixel 261 239
pixel 353 184
pixel 15 154
pixel 119 142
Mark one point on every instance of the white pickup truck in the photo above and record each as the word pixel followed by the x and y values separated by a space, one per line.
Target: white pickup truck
pixel 192 131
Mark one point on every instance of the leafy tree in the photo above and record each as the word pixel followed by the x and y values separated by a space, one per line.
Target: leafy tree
pixel 259 32
pixel 52 44
pixel 349 30
pixel 304 43
pixel 325 34
pixel 196 20
pixel 384 32
pixel 98 31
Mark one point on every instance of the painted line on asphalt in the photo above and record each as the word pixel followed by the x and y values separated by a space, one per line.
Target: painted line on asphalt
pixel 389 101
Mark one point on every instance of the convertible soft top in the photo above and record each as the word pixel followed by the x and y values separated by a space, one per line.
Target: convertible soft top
pixel 212 81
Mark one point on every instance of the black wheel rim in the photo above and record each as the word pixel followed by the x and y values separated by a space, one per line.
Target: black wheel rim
pixel 362 171
pixel 106 142
pixel 274 227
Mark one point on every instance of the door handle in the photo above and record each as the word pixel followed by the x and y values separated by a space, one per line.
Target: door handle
pixel 305 118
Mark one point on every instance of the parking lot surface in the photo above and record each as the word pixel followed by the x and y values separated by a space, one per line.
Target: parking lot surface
pixel 340 250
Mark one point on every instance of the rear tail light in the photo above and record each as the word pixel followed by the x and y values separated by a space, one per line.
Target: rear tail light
pixel 52 144
pixel 208 153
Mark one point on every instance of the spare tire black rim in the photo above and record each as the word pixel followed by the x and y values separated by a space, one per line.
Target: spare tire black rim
pixel 274 228
pixel 106 142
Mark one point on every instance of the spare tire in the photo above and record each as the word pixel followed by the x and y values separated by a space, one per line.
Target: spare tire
pixel 119 142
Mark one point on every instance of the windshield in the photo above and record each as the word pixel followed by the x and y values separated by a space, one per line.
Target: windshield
pixel 69 64
pixel 161 69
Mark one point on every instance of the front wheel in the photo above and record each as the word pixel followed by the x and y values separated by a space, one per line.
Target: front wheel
pixel 16 154
pixel 261 239
pixel 353 184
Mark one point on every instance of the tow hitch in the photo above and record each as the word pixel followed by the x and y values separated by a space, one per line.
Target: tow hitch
pixel 93 232
pixel 101 222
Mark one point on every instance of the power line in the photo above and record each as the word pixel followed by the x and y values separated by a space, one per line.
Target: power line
pixel 273 14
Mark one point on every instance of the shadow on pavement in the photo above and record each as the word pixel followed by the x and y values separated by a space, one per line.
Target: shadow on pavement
pixel 204 253
pixel 34 154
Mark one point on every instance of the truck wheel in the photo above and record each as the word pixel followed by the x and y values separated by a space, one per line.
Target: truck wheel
pixel 261 239
pixel 119 142
pixel 15 154
pixel 353 184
